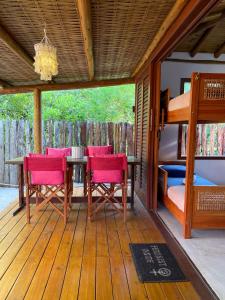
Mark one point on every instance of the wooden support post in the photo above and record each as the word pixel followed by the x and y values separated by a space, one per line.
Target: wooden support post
pixel 37 121
pixel 191 147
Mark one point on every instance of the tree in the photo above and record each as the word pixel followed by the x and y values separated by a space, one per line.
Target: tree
pixel 106 104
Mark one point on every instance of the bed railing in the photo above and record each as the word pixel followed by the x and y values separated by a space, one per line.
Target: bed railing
pixel 208 206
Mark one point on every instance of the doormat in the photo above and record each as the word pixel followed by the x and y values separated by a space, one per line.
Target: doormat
pixel 155 263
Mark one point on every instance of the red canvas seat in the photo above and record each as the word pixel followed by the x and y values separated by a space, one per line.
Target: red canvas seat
pixel 103 170
pixel 48 177
pixel 93 151
pixel 98 150
pixel 59 151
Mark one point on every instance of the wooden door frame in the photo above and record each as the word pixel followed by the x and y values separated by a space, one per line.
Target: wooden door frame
pixel 188 19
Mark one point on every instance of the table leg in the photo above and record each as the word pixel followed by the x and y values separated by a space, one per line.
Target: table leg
pixel 85 180
pixel 132 187
pixel 21 190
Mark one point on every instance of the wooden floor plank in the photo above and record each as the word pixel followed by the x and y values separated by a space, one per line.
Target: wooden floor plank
pixel 118 273
pixel 23 281
pixel 171 291
pixel 72 278
pixel 9 209
pixel 8 240
pixel 119 279
pixel 7 216
pixel 53 290
pixel 103 279
pixel 87 281
pixel 102 244
pixel 15 268
pixel 18 242
pixel 40 279
pixel 10 224
pixel 137 289
pixel 187 291
pixel 84 260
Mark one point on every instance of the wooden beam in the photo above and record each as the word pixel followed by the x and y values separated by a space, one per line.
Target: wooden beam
pixel 9 41
pixel 66 86
pixel 4 83
pixel 84 10
pixel 219 50
pixel 175 11
pixel 37 121
pixel 200 42
pixel 205 35
pixel 196 61
pixel 205 25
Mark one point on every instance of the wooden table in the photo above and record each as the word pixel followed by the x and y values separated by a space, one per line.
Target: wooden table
pixel 132 162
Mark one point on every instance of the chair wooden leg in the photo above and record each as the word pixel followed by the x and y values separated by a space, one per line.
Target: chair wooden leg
pixel 89 201
pixel 124 200
pixel 65 206
pixel 28 206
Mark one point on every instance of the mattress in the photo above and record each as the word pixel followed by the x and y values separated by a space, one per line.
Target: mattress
pixel 179 102
pixel 177 195
pixel 174 181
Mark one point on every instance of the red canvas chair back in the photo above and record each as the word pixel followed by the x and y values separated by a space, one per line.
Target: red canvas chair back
pixel 59 151
pixel 98 150
pixel 45 169
pixel 107 168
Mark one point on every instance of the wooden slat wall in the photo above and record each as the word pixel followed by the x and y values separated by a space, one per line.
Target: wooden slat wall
pixel 142 136
pixel 16 139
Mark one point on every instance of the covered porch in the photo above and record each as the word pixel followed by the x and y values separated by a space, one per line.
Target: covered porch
pixel 99 43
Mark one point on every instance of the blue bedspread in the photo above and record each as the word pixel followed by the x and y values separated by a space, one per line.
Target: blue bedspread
pixel 172 181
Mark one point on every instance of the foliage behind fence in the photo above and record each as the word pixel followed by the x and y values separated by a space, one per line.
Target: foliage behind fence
pixel 16 139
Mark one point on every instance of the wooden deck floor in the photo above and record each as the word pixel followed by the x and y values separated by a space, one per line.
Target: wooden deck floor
pixel 45 260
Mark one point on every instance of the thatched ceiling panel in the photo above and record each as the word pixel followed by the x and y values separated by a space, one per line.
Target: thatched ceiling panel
pixel 12 69
pixel 122 31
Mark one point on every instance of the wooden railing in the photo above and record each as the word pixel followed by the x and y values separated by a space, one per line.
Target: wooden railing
pixel 16 139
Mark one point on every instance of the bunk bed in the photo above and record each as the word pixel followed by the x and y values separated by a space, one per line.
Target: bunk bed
pixel 195 202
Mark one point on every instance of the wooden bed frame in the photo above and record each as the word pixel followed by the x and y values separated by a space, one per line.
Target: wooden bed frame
pixel 204 205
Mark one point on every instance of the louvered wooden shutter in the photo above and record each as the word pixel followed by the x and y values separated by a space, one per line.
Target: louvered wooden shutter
pixel 142 136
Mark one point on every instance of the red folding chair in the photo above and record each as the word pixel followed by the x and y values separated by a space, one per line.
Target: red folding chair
pixel 98 150
pixel 107 175
pixel 59 151
pixel 93 151
pixel 48 177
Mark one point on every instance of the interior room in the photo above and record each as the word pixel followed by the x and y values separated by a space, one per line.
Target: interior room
pixel 196 54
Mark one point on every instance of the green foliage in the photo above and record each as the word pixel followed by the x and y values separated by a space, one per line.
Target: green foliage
pixel 108 104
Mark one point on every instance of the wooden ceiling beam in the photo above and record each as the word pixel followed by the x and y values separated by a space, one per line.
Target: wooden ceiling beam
pixel 219 50
pixel 4 83
pixel 66 86
pixel 200 42
pixel 174 12
pixel 9 41
pixel 205 35
pixel 84 10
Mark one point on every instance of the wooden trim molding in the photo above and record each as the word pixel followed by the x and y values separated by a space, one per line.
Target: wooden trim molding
pixel 84 10
pixel 196 61
pixel 66 86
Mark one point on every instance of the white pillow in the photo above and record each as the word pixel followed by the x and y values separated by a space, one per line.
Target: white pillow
pixel 194 179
